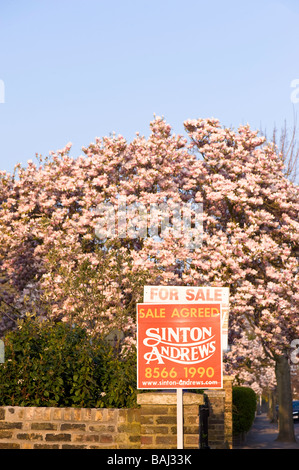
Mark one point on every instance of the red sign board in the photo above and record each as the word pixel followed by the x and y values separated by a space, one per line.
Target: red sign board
pixel 179 346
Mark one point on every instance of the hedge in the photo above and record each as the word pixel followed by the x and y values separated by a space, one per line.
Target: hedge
pixel 244 407
pixel 57 364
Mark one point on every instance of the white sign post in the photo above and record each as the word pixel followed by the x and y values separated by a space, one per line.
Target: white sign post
pixel 180 418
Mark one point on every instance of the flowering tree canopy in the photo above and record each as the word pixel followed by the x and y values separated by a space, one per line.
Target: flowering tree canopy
pixel 57 266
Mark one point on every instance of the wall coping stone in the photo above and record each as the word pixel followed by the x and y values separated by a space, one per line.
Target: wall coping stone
pixel 156 398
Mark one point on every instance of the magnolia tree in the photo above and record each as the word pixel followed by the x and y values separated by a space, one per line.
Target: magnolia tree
pixel 79 238
pixel 257 209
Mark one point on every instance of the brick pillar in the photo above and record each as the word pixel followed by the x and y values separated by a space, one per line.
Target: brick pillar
pixel 158 420
pixel 228 411
pixel 220 418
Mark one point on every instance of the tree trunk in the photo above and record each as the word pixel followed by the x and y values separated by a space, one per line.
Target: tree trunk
pixel 272 414
pixel 285 412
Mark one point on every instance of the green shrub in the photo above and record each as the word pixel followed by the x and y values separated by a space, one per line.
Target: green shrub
pixel 244 406
pixel 117 378
pixel 55 364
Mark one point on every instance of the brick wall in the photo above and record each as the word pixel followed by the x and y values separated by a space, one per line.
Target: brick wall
pixel 66 428
pixel 151 426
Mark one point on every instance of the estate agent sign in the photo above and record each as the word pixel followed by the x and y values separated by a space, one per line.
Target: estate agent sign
pixel 179 345
pixel 181 333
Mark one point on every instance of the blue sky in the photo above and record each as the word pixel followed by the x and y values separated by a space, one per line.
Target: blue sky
pixel 75 70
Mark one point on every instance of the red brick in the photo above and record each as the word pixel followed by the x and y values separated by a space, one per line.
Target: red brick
pixel 106 438
pixel 147 440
